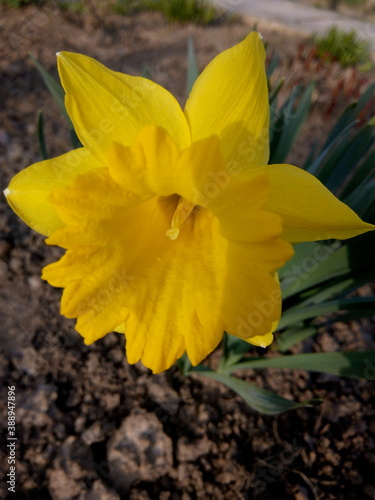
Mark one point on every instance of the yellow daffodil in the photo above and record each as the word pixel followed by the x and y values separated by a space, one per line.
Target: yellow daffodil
pixel 173 223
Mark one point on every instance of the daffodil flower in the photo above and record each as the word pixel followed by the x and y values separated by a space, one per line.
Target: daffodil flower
pixel 173 223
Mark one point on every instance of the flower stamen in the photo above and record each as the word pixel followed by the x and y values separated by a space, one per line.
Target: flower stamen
pixel 182 212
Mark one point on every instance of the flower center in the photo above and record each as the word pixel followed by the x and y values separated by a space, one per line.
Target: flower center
pixel 182 212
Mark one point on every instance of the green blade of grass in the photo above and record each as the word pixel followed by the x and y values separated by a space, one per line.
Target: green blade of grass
pixel 327 155
pixel 364 171
pixel 41 136
pixel 334 174
pixel 264 401
pixel 298 314
pixel 292 125
pixel 55 88
pixel 343 364
pixel 315 264
pixel 292 336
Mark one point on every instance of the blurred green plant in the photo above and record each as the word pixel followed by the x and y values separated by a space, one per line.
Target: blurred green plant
pixel 319 283
pixel 196 11
pixel 20 3
pixel 346 47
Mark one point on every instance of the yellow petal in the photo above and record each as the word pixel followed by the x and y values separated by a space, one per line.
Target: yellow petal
pixel 154 165
pixel 252 301
pixel 123 267
pixel 261 340
pixel 29 190
pixel 308 209
pixel 177 308
pixel 230 100
pixel 106 106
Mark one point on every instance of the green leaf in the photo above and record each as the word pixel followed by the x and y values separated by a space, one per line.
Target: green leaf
pixel 333 175
pixel 287 339
pixel 264 401
pixel 362 200
pixel 279 120
pixel 364 171
pixel 292 125
pixel 55 88
pixel 184 364
pixel 348 117
pixel 316 263
pixel 312 263
pixel 350 114
pixel 146 71
pixel 326 156
pixel 58 94
pixel 273 95
pixel 297 314
pixel 192 67
pixel 336 287
pixel 343 364
pixel 350 315
pixel 41 137
pixel 272 65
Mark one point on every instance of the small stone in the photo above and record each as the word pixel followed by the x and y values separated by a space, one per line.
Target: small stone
pixel 100 492
pixel 61 486
pixel 93 434
pixel 139 450
pixel 190 451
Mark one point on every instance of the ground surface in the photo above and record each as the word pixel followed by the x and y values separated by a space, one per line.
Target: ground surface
pixel 89 425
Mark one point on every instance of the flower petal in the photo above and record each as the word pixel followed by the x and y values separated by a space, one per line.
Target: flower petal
pixel 154 165
pixel 123 267
pixel 230 99
pixel 29 190
pixel 309 211
pixel 106 106
pixel 252 300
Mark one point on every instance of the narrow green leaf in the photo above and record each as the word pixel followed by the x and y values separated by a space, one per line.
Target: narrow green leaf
pixel 313 263
pixel 146 71
pixel 192 67
pixel 355 150
pixel 348 117
pixel 55 88
pixel 343 364
pixel 362 200
pixel 324 156
pixel 351 113
pixel 316 263
pixel 279 120
pixel 272 65
pixel 298 314
pixel 337 287
pixel 41 136
pixel 184 364
pixel 260 399
pixel 274 93
pixel 292 336
pixel 364 171
pixel 348 316
pixel 293 123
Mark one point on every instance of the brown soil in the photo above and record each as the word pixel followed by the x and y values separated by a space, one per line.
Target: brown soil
pixel 90 426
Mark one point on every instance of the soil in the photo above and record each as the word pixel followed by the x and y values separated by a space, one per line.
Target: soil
pixel 91 426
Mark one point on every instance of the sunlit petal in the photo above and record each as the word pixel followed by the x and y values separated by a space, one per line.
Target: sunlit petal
pixel 230 100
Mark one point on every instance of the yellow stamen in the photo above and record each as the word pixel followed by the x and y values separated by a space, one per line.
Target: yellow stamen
pixel 182 212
